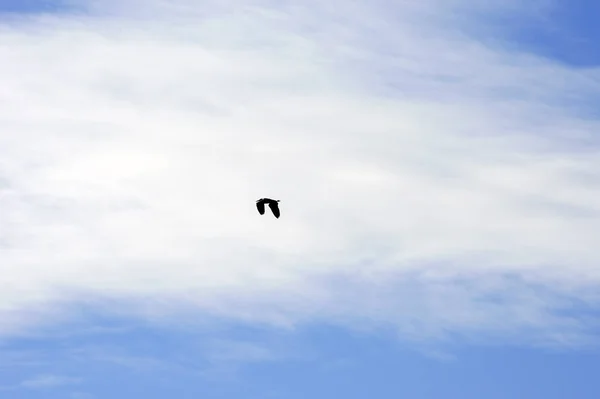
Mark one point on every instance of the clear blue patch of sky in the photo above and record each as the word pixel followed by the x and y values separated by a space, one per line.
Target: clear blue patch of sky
pixel 33 6
pixel 567 32
pixel 318 362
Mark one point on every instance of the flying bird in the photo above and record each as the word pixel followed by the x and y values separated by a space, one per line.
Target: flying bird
pixel 273 204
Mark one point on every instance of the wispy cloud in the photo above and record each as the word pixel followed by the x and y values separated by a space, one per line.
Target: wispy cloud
pixel 46 381
pixel 429 182
pixel 223 358
pixel 119 356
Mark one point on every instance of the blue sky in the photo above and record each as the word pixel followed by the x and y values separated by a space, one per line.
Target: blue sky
pixel 133 143
pixel 134 359
pixel 33 6
pixel 566 32
pixel 569 34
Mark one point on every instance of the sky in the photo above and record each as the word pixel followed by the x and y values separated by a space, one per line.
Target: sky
pixel 437 164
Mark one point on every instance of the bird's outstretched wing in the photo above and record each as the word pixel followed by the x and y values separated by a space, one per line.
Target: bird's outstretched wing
pixel 274 208
pixel 260 205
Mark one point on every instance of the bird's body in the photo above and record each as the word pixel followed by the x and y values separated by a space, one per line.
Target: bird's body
pixel 273 204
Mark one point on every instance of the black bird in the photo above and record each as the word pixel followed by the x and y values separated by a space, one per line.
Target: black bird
pixel 260 205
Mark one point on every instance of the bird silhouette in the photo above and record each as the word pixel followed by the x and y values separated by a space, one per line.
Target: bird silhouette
pixel 273 204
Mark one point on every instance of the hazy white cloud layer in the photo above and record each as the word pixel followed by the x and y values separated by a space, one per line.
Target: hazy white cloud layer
pixel 428 182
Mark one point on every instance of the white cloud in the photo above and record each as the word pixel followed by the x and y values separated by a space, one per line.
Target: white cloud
pixel 417 168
